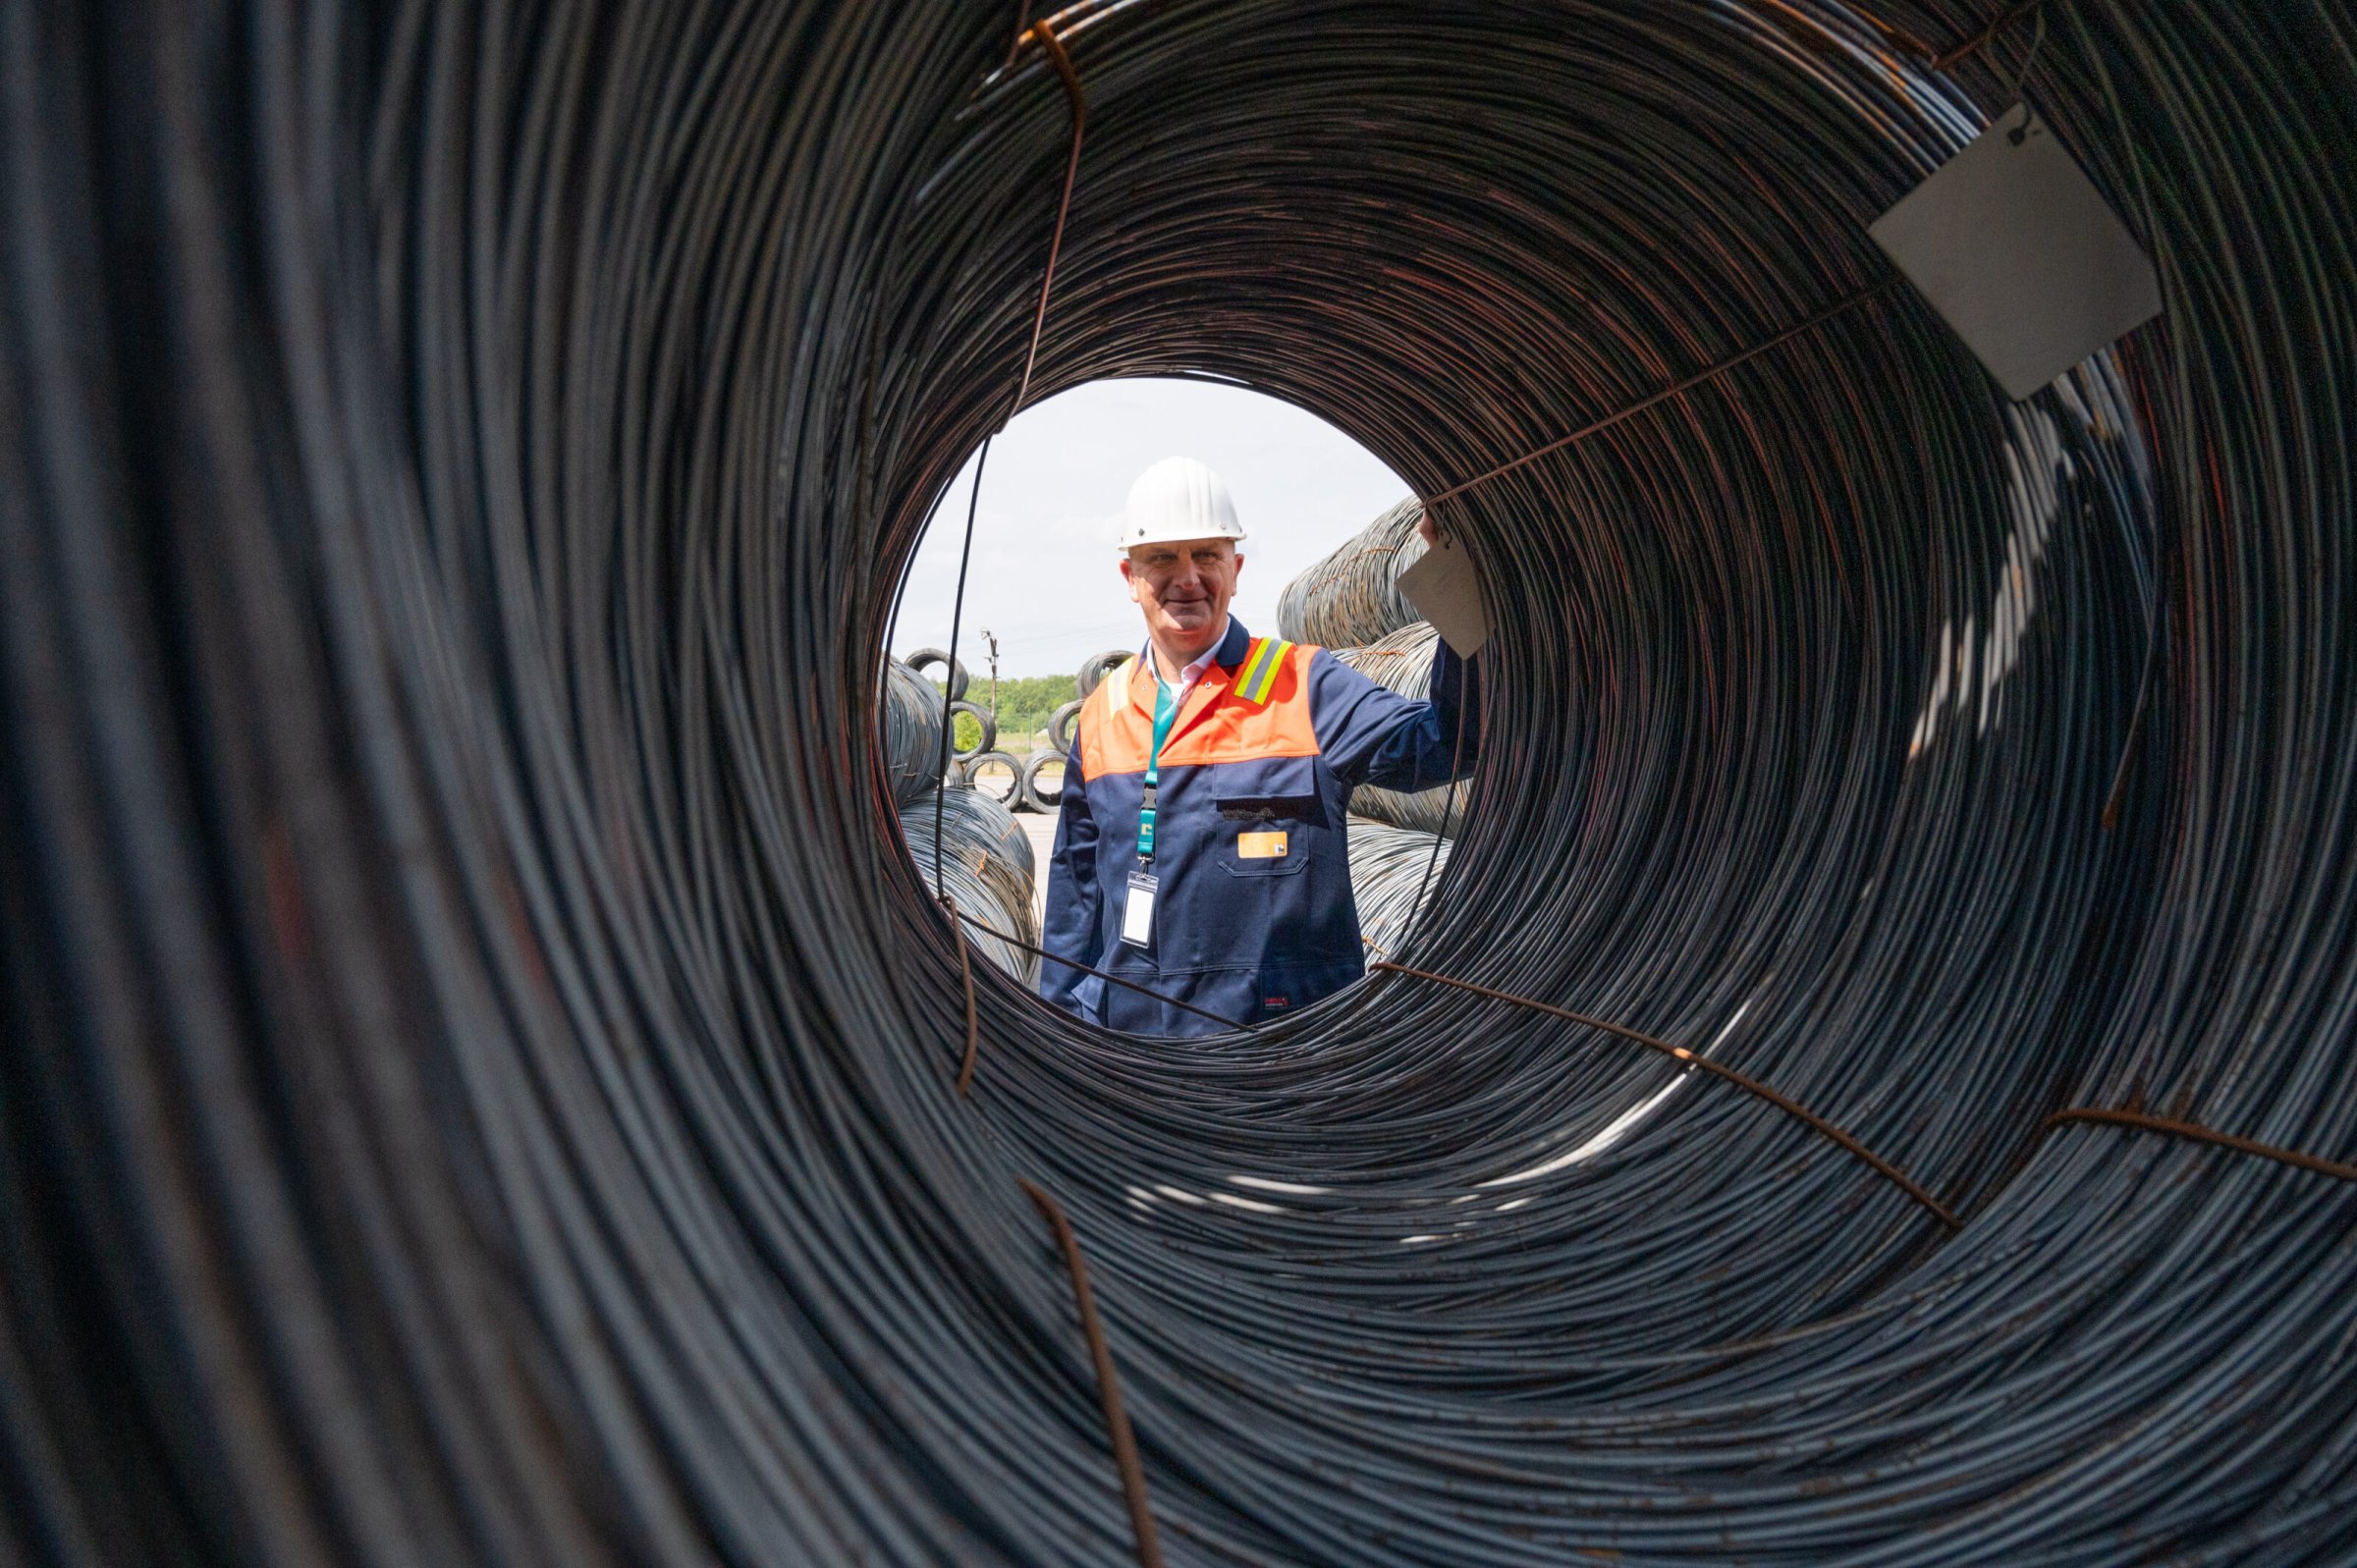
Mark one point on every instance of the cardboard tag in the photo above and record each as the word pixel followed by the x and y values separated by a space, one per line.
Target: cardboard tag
pixel 1442 588
pixel 2012 245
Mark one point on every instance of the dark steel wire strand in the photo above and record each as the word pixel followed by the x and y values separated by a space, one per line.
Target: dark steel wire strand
pixel 966 554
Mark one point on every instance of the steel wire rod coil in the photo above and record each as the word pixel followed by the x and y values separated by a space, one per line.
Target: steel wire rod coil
pixel 912 724
pixel 1352 598
pixel 1402 660
pixel 478 1082
pixel 1388 866
pixel 986 870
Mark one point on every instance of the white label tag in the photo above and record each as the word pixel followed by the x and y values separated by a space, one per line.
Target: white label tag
pixel 2015 250
pixel 1137 911
pixel 1440 583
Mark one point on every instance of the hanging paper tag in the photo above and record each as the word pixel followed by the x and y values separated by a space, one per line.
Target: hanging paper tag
pixel 2015 250
pixel 1442 585
pixel 1137 911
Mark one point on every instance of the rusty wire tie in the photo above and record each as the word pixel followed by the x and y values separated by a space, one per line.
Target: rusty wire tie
pixel 1109 1388
pixel 2200 1134
pixel 1936 59
pixel 1980 40
pixel 1117 1421
pixel 1743 1081
pixel 966 975
pixel 1053 47
pixel 1678 389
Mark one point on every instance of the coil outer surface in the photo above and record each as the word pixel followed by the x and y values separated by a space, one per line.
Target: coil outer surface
pixel 479 1070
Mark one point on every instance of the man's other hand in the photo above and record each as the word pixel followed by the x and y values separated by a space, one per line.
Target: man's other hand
pixel 1426 531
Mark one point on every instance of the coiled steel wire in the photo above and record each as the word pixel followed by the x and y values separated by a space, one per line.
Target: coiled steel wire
pixel 1038 794
pixel 1401 662
pixel 912 725
pixel 986 870
pixel 1094 669
pixel 995 775
pixel 1353 597
pixel 479 1081
pixel 1388 879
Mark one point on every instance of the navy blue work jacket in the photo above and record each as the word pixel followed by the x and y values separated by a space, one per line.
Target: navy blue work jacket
pixel 1253 911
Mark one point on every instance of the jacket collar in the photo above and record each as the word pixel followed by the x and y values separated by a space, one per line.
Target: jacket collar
pixel 1229 654
pixel 1234 646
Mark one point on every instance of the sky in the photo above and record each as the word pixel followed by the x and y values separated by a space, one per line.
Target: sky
pixel 1044 576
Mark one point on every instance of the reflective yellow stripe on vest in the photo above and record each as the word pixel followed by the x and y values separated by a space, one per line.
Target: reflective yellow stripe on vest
pixel 1258 677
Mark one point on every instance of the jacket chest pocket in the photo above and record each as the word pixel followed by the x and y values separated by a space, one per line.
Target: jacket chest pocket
pixel 1269 822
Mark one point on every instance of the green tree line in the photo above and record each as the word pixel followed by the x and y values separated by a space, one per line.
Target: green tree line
pixel 1024 706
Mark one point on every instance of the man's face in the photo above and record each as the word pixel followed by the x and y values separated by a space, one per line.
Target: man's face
pixel 1183 588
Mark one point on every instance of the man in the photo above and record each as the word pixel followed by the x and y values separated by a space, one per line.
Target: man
pixel 1200 852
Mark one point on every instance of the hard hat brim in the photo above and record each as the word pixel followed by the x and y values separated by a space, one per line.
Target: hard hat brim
pixel 1168 537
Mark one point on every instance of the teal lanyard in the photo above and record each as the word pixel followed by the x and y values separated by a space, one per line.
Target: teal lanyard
pixel 1164 711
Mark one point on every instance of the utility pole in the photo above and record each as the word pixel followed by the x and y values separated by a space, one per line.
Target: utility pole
pixel 992 638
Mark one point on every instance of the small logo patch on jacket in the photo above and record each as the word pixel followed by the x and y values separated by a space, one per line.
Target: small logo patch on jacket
pixel 1260 846
pixel 1275 1002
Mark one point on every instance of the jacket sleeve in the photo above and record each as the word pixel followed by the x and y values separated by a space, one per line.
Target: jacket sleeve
pixel 1371 734
pixel 1073 896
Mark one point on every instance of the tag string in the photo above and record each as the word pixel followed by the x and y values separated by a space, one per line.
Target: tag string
pixel 2013 95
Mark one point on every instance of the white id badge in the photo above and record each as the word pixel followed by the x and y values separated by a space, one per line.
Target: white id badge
pixel 1137 911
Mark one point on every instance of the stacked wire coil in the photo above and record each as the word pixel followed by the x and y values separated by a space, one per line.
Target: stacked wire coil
pixel 479 1082
pixel 1353 597
pixel 1402 660
pixel 912 725
pixel 986 872
pixel 1391 870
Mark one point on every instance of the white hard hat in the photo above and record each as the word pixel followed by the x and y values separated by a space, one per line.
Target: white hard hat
pixel 1177 499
